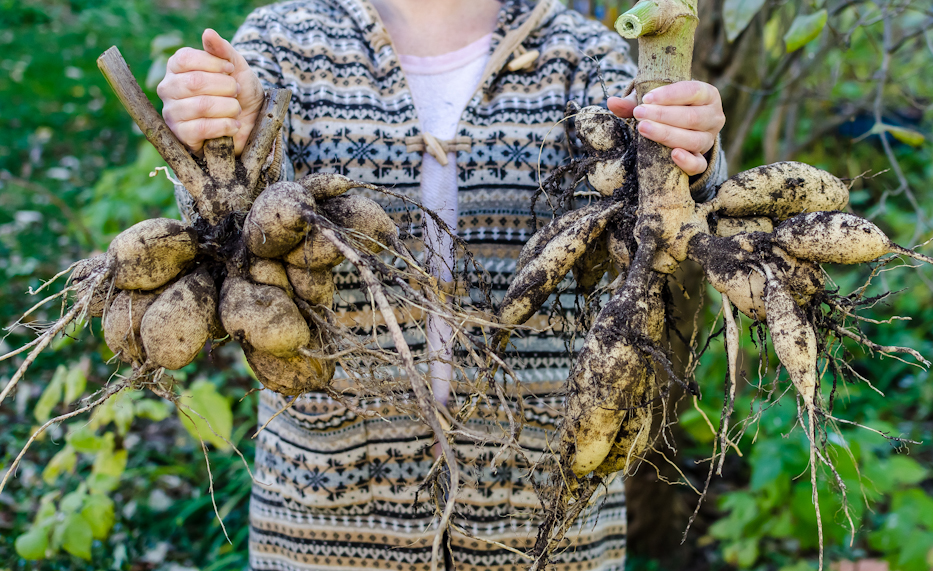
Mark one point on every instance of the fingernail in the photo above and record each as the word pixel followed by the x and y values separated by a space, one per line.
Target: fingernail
pixel 229 68
pixel 238 88
pixel 237 123
pixel 645 127
pixel 648 98
pixel 640 112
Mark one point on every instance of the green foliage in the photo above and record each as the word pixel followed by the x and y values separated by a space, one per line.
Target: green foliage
pixel 206 414
pixel 768 522
pixel 71 526
pixel 737 14
pixel 804 29
pixel 74 172
pixel 767 519
pixel 96 457
pixel 902 134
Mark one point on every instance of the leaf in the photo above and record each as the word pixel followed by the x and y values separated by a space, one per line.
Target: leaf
pixel 767 464
pixel 76 537
pixel 156 72
pixel 102 483
pixel 913 508
pixel 780 526
pixel 693 423
pixel 204 399
pixel 902 134
pixel 75 382
pixel 117 409
pixel 68 336
pixel 33 544
pixel 772 35
pixel 804 30
pixel 108 462
pixel 102 415
pixel 914 548
pixel 46 507
pixel 154 410
pixel 906 470
pixel 166 44
pixel 742 512
pixel 123 412
pixel 83 440
pixel 906 136
pixel 737 14
pixel 73 501
pixel 63 461
pixel 51 396
pixel 742 554
pixel 246 365
pixel 98 512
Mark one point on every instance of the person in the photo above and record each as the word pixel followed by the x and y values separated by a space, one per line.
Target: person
pixel 376 83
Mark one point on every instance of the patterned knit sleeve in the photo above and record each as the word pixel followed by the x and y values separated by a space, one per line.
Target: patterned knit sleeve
pixel 608 69
pixel 254 42
pixel 605 69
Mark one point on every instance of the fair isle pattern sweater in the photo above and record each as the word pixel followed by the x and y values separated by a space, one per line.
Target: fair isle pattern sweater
pixel 338 491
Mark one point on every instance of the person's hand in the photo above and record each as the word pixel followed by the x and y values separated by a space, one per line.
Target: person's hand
pixel 685 116
pixel 210 94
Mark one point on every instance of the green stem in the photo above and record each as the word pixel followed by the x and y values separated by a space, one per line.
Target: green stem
pixel 641 20
pixel 665 30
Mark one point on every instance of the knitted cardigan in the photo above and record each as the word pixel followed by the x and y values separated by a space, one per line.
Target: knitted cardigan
pixel 335 490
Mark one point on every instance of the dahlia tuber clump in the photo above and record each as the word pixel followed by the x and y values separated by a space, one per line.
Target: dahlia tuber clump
pixel 760 242
pixel 255 268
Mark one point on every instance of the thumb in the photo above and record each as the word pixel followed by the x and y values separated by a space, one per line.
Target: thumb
pixel 217 46
pixel 622 107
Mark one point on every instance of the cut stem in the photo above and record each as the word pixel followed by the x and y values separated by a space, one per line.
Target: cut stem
pixel 261 140
pixel 150 122
pixel 642 20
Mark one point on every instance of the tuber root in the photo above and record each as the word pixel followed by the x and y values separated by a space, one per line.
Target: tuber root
pixel 329 185
pixel 290 375
pixel 314 253
pixel 148 255
pixel 837 238
pixel 264 271
pixel 730 269
pixel 611 378
pixel 546 233
pixel 178 323
pixel 726 226
pixel 364 216
pixel 82 277
pixel 536 281
pixel 122 325
pixel 589 268
pixel 277 222
pixel 262 317
pixel 314 286
pixel 779 191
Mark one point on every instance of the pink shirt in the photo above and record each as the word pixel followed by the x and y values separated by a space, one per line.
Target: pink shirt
pixel 441 87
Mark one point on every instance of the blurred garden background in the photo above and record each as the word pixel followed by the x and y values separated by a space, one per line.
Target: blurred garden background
pixel 845 85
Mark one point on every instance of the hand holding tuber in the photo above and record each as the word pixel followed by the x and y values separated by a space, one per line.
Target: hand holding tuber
pixel 685 116
pixel 210 94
